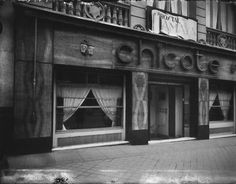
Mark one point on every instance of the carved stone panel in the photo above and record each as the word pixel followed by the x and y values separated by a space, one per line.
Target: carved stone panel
pixel 171 60
pixel 147 58
pixel 203 90
pixel 140 106
pixel 214 66
pixel 202 63
pixel 125 54
pixel 95 11
pixel 33 113
pixel 187 62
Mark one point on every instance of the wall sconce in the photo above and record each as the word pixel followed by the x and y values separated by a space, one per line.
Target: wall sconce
pixel 86 48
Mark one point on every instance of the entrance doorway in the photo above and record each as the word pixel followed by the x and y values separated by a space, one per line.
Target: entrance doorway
pixel 166 111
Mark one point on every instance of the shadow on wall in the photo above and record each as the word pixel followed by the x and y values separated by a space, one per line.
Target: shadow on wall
pixel 6 131
pixel 6 76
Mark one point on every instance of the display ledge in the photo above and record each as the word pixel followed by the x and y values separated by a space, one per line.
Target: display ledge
pixel 86 132
pixel 221 135
pixel 60 17
pixel 90 145
pixel 172 140
pixel 220 124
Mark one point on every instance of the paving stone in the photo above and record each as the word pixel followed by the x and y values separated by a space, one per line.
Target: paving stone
pixel 201 161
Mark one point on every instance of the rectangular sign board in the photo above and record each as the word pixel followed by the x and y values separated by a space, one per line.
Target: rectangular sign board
pixel 174 25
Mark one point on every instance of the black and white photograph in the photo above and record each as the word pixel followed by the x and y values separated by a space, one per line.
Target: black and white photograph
pixel 118 91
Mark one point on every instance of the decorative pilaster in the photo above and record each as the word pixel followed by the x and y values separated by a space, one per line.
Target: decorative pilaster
pixel 203 110
pixel 139 108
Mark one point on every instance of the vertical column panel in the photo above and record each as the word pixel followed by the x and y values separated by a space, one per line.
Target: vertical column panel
pixel 179 112
pixel 6 73
pixel 139 108
pixel 140 111
pixel 234 104
pixel 203 112
pixel 203 88
pixel 6 55
pixel 172 115
pixel 29 125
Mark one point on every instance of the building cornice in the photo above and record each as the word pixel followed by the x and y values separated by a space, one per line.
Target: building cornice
pixel 55 16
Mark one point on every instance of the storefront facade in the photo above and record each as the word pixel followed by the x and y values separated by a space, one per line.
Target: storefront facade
pixel 80 81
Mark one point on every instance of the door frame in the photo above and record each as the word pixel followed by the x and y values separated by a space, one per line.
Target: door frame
pixel 168 84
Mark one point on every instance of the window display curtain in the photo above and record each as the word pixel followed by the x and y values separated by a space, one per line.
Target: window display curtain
pixel 212 97
pixel 179 6
pixel 73 97
pixel 107 97
pixel 224 98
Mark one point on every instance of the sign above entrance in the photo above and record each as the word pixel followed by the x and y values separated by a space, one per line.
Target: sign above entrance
pixel 173 25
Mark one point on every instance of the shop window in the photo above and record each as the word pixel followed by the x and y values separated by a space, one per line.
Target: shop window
pixel 221 103
pixel 92 103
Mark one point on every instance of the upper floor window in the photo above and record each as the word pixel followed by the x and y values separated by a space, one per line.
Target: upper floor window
pixel 220 15
pixel 179 7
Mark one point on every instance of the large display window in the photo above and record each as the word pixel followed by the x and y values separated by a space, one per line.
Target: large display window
pixel 221 103
pixel 221 108
pixel 91 99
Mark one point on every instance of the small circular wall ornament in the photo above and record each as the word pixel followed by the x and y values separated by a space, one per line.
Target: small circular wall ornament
pixel 186 62
pixel 140 80
pixel 125 54
pixel 222 40
pixel 95 11
pixel 139 27
pixel 201 41
pixel 214 66
pixel 170 60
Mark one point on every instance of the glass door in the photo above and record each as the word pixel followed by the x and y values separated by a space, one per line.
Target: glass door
pixel 166 111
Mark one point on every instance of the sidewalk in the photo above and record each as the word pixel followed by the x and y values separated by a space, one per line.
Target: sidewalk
pixel 197 161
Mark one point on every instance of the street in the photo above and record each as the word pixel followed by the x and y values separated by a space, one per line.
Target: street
pixel 195 161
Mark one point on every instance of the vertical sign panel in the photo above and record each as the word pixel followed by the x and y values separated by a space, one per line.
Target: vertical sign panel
pixel 140 107
pixel 203 89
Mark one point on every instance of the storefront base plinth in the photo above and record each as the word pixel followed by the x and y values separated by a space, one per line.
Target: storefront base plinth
pixel 6 128
pixel 203 132
pixel 32 145
pixel 139 137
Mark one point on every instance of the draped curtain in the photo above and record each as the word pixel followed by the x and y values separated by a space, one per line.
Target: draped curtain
pixel 107 97
pixel 224 98
pixel 73 97
pixel 177 6
pixel 212 97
